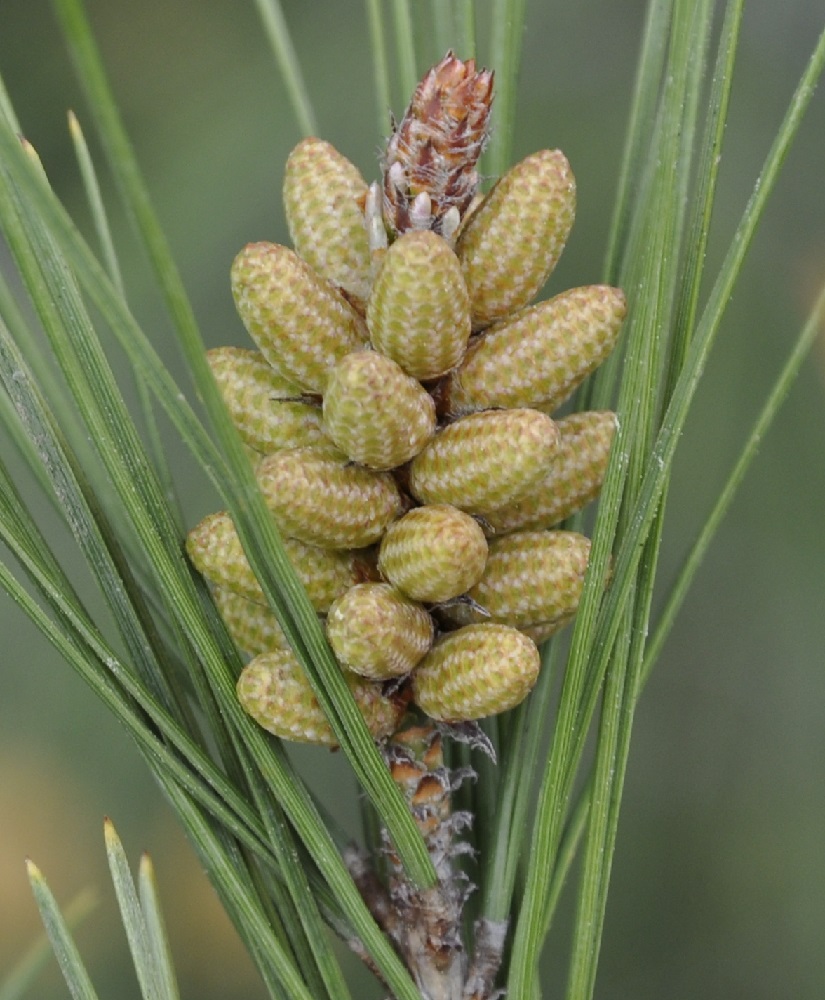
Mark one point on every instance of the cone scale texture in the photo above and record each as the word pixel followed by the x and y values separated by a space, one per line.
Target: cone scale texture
pixel 376 414
pixel 433 553
pixel 485 460
pixel 253 627
pixel 539 356
pixel 419 310
pixel 479 670
pixel 298 320
pixel 273 689
pixel 216 552
pixel 573 479
pixel 263 404
pixel 515 237
pixel 377 632
pixel 531 578
pixel 324 196
pixel 327 502
pixel 398 414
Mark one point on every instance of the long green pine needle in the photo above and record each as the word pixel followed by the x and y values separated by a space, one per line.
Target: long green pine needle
pixel 65 950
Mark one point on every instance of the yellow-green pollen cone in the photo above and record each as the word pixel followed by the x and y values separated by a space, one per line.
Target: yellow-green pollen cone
pixel 513 240
pixel 264 406
pixel 433 553
pixel 377 632
pixel 419 311
pixel 477 671
pixel 485 460
pixel 573 479
pixel 299 321
pixel 531 578
pixel 537 357
pixel 375 413
pixel 327 502
pixel 253 627
pixel 363 461
pixel 216 552
pixel 324 197
pixel 274 690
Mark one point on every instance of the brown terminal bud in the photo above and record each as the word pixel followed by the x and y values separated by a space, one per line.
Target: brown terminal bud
pixel 429 167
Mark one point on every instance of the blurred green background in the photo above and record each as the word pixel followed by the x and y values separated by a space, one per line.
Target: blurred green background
pixel 719 877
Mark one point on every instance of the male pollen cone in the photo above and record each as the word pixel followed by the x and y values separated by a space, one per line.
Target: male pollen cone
pixel 436 146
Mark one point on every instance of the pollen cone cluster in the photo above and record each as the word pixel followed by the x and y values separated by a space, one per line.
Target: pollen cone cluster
pixel 399 407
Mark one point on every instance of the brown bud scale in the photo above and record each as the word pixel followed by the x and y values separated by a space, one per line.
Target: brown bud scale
pixel 434 149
